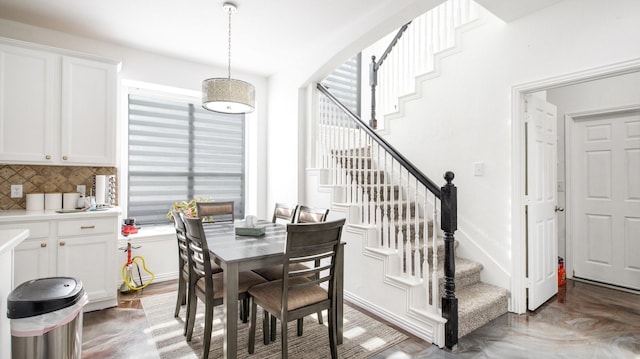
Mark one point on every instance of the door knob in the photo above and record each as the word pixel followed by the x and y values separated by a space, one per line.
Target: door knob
pixel 559 209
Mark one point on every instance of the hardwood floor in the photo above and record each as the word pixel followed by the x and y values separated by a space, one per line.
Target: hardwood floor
pixel 582 321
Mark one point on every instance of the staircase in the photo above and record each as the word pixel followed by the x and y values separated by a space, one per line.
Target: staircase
pixel 478 302
pixel 395 211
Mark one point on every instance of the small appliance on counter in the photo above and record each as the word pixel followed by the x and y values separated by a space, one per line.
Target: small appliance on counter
pixel 129 227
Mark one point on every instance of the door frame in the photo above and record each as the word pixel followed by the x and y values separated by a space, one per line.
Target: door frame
pixel 519 281
pixel 569 124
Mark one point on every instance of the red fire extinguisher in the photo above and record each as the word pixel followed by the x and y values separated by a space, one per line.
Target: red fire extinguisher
pixel 562 274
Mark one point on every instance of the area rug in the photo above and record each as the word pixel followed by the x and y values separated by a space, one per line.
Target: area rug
pixel 363 335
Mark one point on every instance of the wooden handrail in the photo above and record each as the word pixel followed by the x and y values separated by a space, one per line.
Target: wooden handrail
pixel 421 177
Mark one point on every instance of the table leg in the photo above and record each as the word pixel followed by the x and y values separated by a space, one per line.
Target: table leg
pixel 230 347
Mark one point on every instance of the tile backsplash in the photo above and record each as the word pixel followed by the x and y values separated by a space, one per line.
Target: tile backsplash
pixel 47 179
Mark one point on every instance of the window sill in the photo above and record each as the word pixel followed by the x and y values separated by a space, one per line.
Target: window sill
pixel 150 232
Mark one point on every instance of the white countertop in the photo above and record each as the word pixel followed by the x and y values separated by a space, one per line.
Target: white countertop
pixel 24 215
pixel 10 238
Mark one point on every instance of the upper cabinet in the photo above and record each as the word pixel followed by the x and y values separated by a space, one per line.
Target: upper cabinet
pixel 88 130
pixel 56 109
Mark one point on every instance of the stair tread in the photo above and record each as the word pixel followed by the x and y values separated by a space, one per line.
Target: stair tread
pixel 478 304
pixel 478 296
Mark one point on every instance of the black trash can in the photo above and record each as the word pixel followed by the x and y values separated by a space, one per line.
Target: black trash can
pixel 46 318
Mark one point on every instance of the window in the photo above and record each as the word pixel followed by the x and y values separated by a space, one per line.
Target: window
pixel 179 151
pixel 345 83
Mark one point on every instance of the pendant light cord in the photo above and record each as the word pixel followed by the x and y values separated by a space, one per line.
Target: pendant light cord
pixel 229 53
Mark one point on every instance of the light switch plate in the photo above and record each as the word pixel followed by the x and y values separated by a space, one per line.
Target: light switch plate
pixel 82 189
pixel 478 169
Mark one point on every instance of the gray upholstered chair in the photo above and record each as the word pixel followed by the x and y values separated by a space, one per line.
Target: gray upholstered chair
pixel 299 293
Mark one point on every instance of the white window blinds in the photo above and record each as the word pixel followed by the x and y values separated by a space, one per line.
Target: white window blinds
pixel 179 151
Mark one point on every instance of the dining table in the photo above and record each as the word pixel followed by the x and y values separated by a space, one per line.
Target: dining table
pixel 236 253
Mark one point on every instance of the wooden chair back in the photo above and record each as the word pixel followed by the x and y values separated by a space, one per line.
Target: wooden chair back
pixel 181 235
pixel 311 215
pixel 199 258
pixel 284 212
pixel 215 211
pixel 315 242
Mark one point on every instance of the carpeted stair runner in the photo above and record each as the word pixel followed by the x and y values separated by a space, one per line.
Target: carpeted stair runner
pixel 478 302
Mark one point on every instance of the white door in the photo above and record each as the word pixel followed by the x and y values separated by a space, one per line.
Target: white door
pixel 605 197
pixel 542 233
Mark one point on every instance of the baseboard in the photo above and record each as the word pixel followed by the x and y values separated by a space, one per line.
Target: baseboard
pixel 426 328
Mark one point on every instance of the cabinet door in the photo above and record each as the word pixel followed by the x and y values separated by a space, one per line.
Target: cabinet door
pixel 88 112
pixel 29 105
pixel 31 260
pixel 91 259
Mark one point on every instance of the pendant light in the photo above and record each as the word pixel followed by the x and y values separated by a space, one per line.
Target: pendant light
pixel 228 95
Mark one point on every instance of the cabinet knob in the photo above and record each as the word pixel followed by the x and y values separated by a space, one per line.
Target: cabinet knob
pixel 62 244
pixel 65 158
pixel 47 157
pixel 43 244
pixel 87 227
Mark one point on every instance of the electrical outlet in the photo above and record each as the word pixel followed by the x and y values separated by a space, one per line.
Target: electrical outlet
pixel 16 191
pixel 82 189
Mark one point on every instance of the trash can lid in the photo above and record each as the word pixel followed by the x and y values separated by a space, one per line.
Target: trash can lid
pixel 44 295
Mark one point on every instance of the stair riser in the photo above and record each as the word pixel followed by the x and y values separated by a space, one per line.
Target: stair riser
pixel 462 280
pixel 469 322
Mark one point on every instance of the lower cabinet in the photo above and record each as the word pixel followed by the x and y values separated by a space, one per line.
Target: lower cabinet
pixel 82 248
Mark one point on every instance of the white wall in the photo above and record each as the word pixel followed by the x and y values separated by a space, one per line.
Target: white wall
pixel 465 114
pixel 156 69
pixel 602 94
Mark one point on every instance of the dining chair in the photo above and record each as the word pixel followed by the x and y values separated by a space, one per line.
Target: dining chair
pixel 183 264
pixel 215 211
pixel 206 285
pixel 284 213
pixel 299 293
pixel 311 215
pixel 303 214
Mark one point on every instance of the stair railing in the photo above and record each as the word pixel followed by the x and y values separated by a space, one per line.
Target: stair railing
pixel 373 72
pixel 396 199
pixel 414 53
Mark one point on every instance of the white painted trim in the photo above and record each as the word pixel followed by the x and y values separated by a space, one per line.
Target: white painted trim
pixel 430 327
pixel 570 119
pixel 518 300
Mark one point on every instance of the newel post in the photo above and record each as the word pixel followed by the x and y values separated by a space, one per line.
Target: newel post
pixel 373 82
pixel 449 224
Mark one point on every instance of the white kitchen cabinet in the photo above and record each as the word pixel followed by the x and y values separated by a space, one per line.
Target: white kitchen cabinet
pixel 88 124
pixel 32 258
pixel 56 108
pixel 29 105
pixel 86 250
pixel 82 247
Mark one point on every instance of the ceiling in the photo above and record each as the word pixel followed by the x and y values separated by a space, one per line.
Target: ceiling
pixel 266 35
